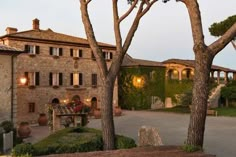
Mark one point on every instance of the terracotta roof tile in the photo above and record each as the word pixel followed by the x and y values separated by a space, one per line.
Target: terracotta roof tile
pixel 4 49
pixel 51 36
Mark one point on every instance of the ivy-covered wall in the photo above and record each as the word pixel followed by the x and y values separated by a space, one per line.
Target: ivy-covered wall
pixel 176 87
pixel 138 84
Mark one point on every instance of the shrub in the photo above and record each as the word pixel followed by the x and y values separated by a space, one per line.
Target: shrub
pixel 123 142
pixel 7 126
pixel 24 149
pixel 79 139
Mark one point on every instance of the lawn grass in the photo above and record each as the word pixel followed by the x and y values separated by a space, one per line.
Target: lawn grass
pixel 226 111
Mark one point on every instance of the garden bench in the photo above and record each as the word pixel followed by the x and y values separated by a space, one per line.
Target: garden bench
pixel 212 112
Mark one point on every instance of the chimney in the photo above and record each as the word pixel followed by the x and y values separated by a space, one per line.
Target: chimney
pixel 36 24
pixel 11 30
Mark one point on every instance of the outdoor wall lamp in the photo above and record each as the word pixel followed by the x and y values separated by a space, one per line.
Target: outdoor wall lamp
pixel 23 80
pixel 138 81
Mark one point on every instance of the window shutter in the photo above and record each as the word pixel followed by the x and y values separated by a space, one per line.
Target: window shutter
pixel 26 48
pixel 71 52
pixel 51 49
pixel 37 49
pixel 60 79
pixel 71 78
pixel 104 55
pixel 27 78
pixel 37 79
pixel 94 79
pixel 80 53
pixel 50 79
pixel 60 51
pixel 92 56
pixel 80 79
pixel 111 55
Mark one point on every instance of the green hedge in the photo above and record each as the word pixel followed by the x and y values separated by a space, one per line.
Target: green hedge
pixel 71 140
pixel 140 97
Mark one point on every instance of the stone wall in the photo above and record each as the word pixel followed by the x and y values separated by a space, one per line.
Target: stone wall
pixel 5 90
pixel 44 93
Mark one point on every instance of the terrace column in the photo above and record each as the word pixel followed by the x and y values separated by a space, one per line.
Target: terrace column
pixel 218 77
pixel 180 74
pixel 226 77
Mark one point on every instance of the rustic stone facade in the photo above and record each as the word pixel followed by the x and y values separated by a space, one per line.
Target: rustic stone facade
pixel 31 100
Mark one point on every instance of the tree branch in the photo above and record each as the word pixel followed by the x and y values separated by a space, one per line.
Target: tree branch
pixel 196 24
pixel 129 11
pixel 91 38
pixel 219 44
pixel 148 7
pixel 88 1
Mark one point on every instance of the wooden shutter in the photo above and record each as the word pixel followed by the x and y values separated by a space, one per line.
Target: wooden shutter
pixel 60 79
pixel 27 78
pixel 80 53
pixel 37 49
pixel 71 52
pixel 37 79
pixel 60 51
pixel 80 79
pixel 50 79
pixel 111 55
pixel 51 49
pixel 94 79
pixel 27 48
pixel 104 55
pixel 71 78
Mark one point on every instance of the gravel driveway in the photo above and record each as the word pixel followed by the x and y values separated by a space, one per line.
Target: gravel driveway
pixel 219 133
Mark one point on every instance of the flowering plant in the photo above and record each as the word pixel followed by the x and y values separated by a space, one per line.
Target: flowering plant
pixel 79 106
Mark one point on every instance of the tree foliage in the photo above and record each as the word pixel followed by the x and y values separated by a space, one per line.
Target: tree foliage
pixel 218 29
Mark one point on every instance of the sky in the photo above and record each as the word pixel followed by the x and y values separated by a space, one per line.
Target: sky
pixel 164 32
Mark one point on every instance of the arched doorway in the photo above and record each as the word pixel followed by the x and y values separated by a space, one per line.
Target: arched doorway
pixel 75 98
pixel 55 101
pixel 93 104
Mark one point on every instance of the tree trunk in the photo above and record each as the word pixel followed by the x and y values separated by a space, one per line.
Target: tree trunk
pixel 108 129
pixel 227 102
pixel 203 62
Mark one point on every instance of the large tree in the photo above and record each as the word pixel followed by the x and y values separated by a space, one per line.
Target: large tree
pixel 109 74
pixel 219 28
pixel 204 55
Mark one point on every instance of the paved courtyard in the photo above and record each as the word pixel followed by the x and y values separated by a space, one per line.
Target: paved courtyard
pixel 220 132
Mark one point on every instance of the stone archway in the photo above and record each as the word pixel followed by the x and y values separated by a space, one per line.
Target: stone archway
pixel 55 101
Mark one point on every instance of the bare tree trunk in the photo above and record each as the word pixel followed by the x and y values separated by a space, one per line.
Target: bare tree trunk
pixel 227 102
pixel 108 129
pixel 203 62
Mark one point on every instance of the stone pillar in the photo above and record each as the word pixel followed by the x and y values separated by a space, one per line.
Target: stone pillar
pixel 234 76
pixel 56 122
pixel 226 77
pixel 218 77
pixel 180 74
pixel 149 136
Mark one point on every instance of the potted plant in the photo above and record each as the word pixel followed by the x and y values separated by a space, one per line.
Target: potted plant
pixel 7 126
pixel 24 130
pixel 42 120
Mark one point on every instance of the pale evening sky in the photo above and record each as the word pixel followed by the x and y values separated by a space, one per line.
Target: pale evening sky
pixel 164 32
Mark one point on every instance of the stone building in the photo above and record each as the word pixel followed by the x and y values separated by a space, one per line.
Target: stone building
pixel 7 80
pixel 58 68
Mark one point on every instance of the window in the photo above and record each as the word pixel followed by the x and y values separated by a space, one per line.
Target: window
pixel 31 107
pixel 55 51
pixel 55 79
pixel 76 53
pixel 32 49
pixel 76 79
pixel 107 55
pixel 32 78
pixel 92 56
pixel 94 80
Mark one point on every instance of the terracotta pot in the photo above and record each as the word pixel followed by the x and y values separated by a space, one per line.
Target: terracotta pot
pixel 97 114
pixel 118 111
pixel 42 120
pixel 24 130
